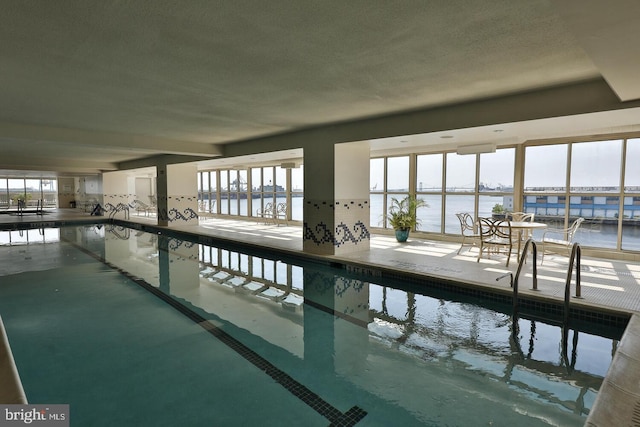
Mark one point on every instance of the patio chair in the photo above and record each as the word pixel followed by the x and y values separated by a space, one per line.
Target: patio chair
pixel 280 213
pixel 468 229
pixel 495 235
pixel 561 239
pixel 266 212
pixel 522 217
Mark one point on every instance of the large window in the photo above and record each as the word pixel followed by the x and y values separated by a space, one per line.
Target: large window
pixel 243 192
pixel 34 192
pixel 631 197
pixel 563 182
pixel 596 180
pixel 4 194
pixel 297 193
pixel 267 187
pixel 448 182
pixel 376 187
pixel 460 186
pixel 207 191
pixel 388 179
pixel 429 188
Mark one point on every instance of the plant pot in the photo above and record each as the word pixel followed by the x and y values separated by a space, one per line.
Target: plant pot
pixel 402 235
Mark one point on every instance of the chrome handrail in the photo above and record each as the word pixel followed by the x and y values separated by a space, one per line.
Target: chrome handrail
pixel 514 279
pixel 575 257
pixel 120 207
pixel 523 257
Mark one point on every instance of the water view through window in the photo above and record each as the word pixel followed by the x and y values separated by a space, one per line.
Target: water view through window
pixel 595 180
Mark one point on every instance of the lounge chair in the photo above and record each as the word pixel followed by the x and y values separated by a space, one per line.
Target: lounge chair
pixel 140 206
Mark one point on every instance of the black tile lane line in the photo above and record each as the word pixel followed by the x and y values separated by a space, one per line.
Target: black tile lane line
pixel 336 417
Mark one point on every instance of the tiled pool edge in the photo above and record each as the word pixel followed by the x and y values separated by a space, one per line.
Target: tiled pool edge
pixel 618 400
pixel 553 307
pixel 43 223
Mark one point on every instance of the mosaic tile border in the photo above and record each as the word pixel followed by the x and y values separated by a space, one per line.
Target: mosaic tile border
pixel 350 216
pixel 549 309
pixel 179 209
pixel 321 234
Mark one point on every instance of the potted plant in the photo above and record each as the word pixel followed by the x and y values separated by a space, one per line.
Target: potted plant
pixel 498 211
pixel 20 199
pixel 402 216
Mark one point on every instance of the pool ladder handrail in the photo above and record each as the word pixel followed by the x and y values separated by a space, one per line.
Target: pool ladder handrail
pixel 573 258
pixel 116 231
pixel 121 207
pixel 514 279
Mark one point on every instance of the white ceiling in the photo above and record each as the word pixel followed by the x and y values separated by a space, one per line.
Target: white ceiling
pixel 87 84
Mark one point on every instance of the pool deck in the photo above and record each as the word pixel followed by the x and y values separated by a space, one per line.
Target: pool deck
pixel 607 285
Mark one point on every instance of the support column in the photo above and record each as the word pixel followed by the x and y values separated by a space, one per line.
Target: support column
pixel 328 340
pixel 116 191
pixel 178 271
pixel 336 208
pixel 177 194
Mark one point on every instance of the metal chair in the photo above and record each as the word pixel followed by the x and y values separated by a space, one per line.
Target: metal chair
pixel 495 234
pixel 560 238
pixel 522 217
pixel 468 229
pixel 280 213
pixel 266 212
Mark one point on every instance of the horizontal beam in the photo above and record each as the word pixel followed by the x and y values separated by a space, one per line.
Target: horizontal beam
pixel 85 138
pixel 56 165
pixel 562 101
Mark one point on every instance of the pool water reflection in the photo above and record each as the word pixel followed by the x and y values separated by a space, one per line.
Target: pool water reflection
pixel 400 356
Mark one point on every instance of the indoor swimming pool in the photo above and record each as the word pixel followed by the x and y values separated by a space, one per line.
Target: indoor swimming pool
pixel 132 328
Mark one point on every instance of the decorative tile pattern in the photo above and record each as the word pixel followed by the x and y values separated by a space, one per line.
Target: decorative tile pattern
pixel 179 209
pixel 351 217
pixel 321 234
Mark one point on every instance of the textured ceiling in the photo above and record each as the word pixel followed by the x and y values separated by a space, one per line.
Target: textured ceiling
pixel 114 80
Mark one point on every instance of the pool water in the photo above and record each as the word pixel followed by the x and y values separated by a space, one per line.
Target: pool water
pixel 139 329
